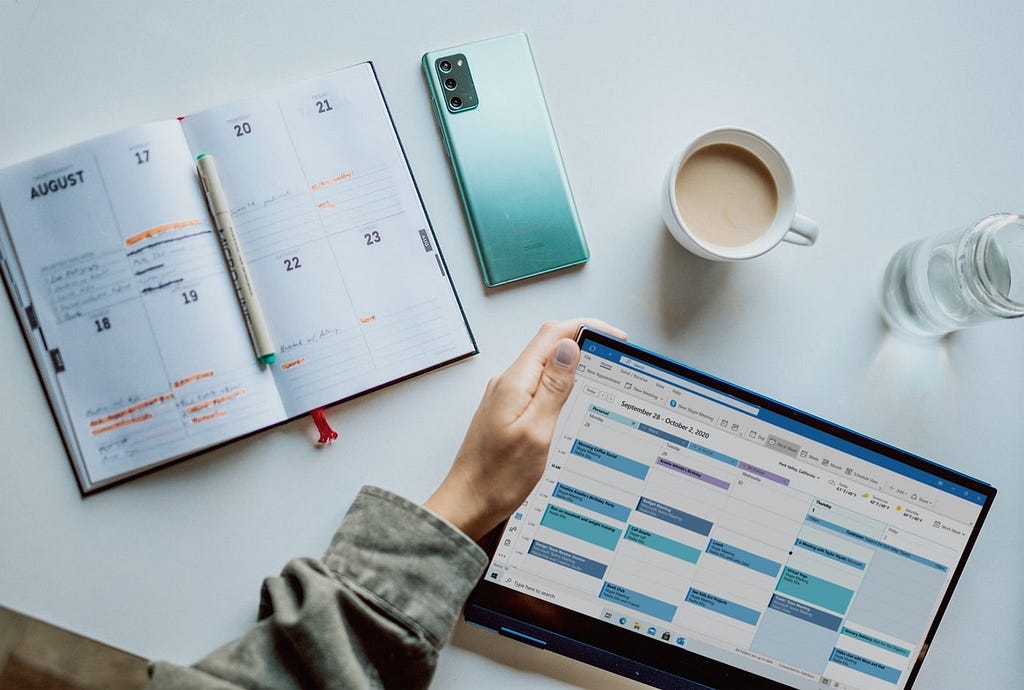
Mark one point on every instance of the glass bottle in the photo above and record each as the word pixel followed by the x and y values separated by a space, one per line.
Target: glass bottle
pixel 956 279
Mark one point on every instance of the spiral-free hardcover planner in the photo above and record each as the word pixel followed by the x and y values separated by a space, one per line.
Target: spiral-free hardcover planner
pixel 114 267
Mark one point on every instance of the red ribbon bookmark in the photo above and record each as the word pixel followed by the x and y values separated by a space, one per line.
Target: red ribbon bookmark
pixel 327 434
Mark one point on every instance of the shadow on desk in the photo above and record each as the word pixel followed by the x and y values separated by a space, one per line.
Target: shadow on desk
pixel 686 283
pixel 35 655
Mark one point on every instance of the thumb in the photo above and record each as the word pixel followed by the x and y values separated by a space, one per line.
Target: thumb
pixel 556 381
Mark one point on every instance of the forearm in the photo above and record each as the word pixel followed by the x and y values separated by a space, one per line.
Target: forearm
pixel 374 612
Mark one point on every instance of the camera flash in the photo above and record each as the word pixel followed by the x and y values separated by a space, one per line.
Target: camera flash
pixel 459 62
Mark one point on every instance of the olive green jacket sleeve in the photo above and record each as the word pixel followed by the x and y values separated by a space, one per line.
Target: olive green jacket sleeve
pixel 373 613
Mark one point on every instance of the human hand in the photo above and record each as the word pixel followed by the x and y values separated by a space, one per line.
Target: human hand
pixel 506 446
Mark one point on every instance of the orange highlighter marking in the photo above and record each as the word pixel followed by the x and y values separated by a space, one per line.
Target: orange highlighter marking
pixel 294 363
pixel 134 408
pixel 192 379
pixel 214 401
pixel 208 417
pixel 332 180
pixel 152 232
pixel 123 422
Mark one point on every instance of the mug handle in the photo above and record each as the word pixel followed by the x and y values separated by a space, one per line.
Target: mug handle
pixel 804 231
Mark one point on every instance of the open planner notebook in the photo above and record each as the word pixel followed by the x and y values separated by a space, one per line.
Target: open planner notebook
pixel 116 272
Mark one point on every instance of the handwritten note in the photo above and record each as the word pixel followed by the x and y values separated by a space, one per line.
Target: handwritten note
pixel 84 284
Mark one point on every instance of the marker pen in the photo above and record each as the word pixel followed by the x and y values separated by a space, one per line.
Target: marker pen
pixel 218 203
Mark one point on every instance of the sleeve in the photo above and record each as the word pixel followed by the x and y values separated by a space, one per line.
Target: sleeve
pixel 373 613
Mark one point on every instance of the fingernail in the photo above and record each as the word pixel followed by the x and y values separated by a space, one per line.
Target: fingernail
pixel 565 353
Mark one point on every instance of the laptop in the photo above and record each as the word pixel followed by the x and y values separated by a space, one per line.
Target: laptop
pixel 690 533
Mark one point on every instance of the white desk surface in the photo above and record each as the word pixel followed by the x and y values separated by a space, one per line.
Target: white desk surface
pixel 898 119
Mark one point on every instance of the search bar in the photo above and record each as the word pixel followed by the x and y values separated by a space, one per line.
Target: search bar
pixel 689 385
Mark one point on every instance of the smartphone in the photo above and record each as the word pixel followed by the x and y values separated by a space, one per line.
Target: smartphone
pixel 505 158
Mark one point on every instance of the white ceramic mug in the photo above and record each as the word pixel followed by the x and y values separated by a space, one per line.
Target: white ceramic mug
pixel 786 225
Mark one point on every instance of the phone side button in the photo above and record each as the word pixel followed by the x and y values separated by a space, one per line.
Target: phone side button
pixel 437 115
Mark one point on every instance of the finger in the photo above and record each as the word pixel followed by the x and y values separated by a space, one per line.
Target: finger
pixel 555 382
pixel 531 361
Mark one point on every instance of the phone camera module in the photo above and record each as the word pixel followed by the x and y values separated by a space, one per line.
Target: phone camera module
pixel 453 81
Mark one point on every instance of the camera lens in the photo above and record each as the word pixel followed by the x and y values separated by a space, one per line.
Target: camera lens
pixel 445 66
pixel 450 83
pixel 456 102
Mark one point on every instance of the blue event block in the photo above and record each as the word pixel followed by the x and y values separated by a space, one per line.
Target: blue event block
pixel 815 590
pixel 870 639
pixel 674 516
pixel 839 529
pixel 747 559
pixel 721 457
pixel 663 435
pixel 665 545
pixel 743 614
pixel 581 527
pixel 865 665
pixel 593 502
pixel 800 610
pixel 638 602
pixel 829 553
pixel 611 460
pixel 567 559
pixel 601 412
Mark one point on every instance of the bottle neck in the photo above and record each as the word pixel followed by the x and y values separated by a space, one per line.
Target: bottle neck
pixel 994 269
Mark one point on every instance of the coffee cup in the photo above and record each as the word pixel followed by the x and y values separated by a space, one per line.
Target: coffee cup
pixel 730 196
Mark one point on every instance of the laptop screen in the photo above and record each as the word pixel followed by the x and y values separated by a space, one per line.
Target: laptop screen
pixel 686 528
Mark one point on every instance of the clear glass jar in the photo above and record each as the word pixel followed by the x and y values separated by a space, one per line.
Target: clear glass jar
pixel 956 279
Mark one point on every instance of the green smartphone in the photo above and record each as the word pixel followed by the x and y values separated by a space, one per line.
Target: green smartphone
pixel 505 158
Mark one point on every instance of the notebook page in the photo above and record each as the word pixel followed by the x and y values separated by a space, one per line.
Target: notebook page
pixel 138 325
pixel 337 244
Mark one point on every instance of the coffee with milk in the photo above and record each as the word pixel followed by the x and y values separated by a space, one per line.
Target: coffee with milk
pixel 726 195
